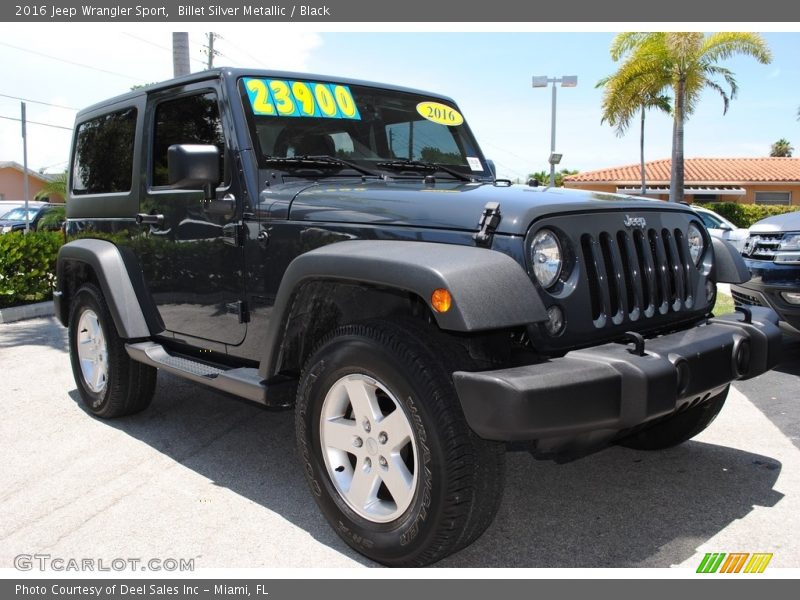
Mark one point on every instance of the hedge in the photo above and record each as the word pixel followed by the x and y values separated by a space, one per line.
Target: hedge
pixel 28 266
pixel 744 215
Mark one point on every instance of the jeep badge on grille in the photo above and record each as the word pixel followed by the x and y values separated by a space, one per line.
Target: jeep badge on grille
pixel 635 222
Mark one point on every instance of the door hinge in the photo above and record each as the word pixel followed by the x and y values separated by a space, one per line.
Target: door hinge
pixel 233 234
pixel 490 219
pixel 240 309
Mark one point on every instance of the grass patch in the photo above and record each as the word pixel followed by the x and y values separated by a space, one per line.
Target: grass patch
pixel 724 305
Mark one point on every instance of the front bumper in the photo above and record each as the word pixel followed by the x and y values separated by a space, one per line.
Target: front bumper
pixel 764 288
pixel 602 391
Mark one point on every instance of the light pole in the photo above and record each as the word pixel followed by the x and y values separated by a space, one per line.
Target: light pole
pixel 540 81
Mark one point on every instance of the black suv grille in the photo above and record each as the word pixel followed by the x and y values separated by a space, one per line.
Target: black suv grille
pixel 637 274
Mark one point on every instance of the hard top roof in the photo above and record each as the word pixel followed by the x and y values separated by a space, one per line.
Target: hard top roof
pixel 236 73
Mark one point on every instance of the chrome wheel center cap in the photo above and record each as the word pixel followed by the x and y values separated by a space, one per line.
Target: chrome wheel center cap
pixel 372 446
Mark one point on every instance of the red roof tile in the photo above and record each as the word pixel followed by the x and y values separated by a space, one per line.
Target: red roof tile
pixel 701 171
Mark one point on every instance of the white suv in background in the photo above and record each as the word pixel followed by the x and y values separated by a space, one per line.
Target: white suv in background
pixel 719 227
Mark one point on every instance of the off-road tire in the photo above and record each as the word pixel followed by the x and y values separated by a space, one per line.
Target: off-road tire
pixel 128 385
pixel 459 475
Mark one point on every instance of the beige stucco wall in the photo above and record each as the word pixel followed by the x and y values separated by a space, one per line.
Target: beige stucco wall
pixel 12 185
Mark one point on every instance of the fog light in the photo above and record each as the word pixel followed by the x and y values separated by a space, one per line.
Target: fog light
pixel 441 300
pixel 741 356
pixel 555 320
pixel 684 374
pixel 791 297
pixel 711 291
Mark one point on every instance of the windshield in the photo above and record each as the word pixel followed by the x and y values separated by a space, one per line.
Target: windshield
pixel 18 214
pixel 369 127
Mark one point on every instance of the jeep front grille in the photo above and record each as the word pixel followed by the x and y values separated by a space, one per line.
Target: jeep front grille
pixel 636 275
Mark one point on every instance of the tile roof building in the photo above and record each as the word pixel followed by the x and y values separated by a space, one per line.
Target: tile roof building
pixel 744 180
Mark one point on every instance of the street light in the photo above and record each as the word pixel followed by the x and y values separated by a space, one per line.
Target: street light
pixel 540 81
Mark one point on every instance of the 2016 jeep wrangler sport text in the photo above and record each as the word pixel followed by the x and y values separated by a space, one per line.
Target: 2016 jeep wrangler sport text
pixel 344 248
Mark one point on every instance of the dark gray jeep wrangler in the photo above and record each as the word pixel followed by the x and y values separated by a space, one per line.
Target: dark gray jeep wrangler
pixel 343 248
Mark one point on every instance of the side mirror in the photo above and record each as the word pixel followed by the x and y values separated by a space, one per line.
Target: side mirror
pixel 193 166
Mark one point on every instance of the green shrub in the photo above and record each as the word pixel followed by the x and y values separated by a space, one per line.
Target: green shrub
pixel 744 215
pixel 28 266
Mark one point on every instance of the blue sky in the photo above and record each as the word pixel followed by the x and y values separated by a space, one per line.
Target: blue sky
pixel 488 74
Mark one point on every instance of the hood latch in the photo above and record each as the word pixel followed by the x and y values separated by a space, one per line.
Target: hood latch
pixel 490 219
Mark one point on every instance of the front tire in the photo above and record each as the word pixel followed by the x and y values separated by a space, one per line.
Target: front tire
pixel 678 428
pixel 387 453
pixel 109 382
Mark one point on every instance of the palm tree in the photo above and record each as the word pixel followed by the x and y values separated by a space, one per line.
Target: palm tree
pixel 686 64
pixel 781 148
pixel 621 102
pixel 56 186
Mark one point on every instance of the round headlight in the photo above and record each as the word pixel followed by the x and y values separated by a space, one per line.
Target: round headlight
pixel 696 242
pixel 546 257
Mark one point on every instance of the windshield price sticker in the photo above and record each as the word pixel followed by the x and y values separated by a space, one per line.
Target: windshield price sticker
pixel 282 98
pixel 440 113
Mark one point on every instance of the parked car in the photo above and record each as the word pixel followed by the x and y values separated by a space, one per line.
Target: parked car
pixel 361 265
pixel 38 213
pixel 772 253
pixel 719 227
pixel 8 205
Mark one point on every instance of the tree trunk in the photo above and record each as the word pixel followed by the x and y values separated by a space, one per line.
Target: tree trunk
pixel 641 155
pixel 677 172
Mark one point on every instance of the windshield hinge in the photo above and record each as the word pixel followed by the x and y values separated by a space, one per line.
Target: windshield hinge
pixel 490 219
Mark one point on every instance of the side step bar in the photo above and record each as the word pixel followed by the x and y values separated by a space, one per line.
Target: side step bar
pixel 242 382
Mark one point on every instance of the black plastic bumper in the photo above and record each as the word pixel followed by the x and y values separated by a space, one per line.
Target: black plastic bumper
pixel 610 388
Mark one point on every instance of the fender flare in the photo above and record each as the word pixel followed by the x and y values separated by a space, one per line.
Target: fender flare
pixel 490 289
pixel 108 265
pixel 729 264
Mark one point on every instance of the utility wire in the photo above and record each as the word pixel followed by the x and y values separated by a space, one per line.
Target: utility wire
pixel 37 102
pixel 136 37
pixel 28 121
pixel 70 62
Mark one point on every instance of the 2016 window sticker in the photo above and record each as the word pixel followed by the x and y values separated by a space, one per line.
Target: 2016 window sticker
pixel 284 98
pixel 440 113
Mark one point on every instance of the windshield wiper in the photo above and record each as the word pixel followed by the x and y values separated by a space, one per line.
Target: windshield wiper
pixel 419 165
pixel 320 161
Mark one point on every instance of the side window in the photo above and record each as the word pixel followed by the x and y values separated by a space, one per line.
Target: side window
pixel 103 161
pixel 186 120
pixel 709 221
pixel 423 140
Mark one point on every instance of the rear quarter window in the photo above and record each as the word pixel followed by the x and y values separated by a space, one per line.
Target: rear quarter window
pixel 103 157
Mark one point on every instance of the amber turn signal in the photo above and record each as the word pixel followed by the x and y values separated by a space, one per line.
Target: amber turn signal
pixel 441 300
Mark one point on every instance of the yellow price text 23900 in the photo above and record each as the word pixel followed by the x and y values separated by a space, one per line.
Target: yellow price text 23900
pixel 276 97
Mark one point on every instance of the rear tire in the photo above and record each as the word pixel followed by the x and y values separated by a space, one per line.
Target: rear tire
pixel 679 428
pixel 387 452
pixel 110 383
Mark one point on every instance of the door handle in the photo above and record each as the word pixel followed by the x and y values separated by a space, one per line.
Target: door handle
pixel 146 219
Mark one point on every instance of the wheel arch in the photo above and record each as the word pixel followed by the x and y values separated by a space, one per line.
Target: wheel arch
pixel 490 291
pixel 102 263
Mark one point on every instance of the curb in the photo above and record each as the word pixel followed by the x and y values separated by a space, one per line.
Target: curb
pixel 27 311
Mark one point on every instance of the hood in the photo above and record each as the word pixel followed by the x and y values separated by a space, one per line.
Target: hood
pixel 449 205
pixel 778 223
